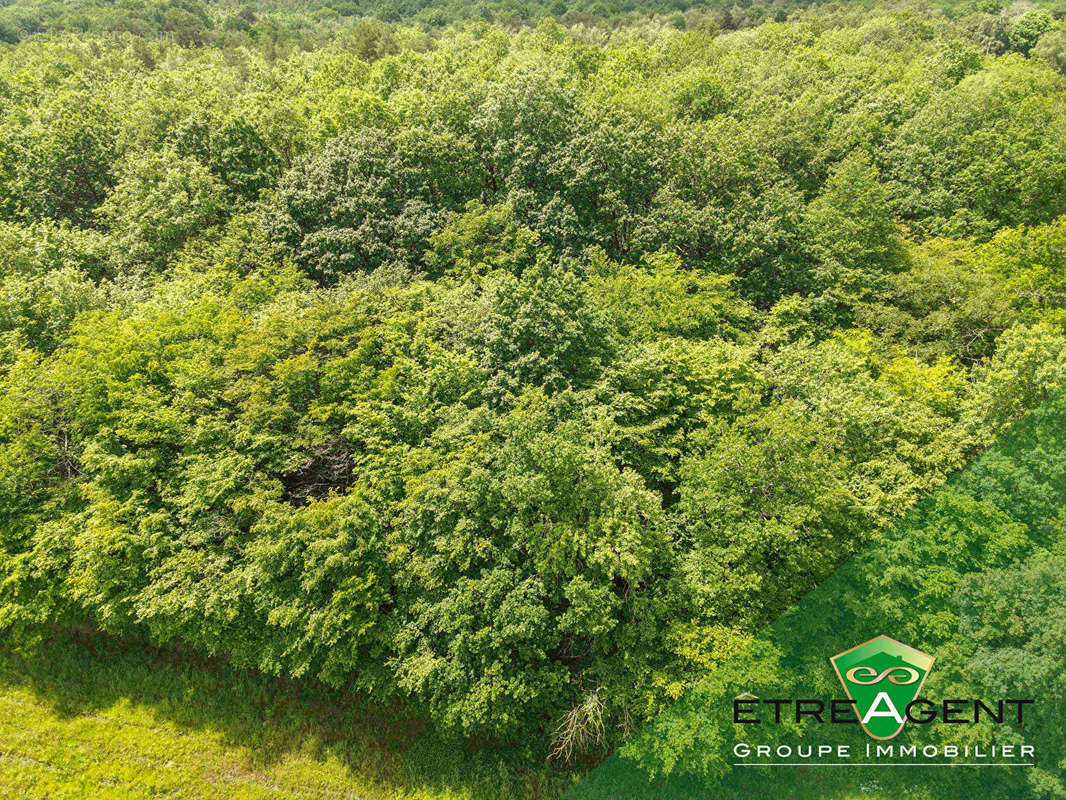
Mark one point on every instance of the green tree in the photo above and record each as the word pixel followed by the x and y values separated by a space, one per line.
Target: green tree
pixel 851 232
pixel 370 198
pixel 56 159
pixel 160 200
pixel 235 152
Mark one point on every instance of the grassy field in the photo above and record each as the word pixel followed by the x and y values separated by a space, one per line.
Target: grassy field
pixel 94 717
pixel 91 717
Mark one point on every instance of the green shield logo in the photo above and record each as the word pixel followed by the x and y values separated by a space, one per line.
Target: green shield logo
pixel 883 677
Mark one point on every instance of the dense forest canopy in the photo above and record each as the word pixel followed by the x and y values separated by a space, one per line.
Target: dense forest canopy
pixel 521 371
pixel 286 25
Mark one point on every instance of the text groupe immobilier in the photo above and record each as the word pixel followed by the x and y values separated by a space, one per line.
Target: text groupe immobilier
pixel 845 751
pixel 919 711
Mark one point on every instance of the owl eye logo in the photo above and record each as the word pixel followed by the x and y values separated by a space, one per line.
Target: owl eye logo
pixel 883 677
pixel 901 676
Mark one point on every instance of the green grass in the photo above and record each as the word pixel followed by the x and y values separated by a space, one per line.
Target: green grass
pixel 87 716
